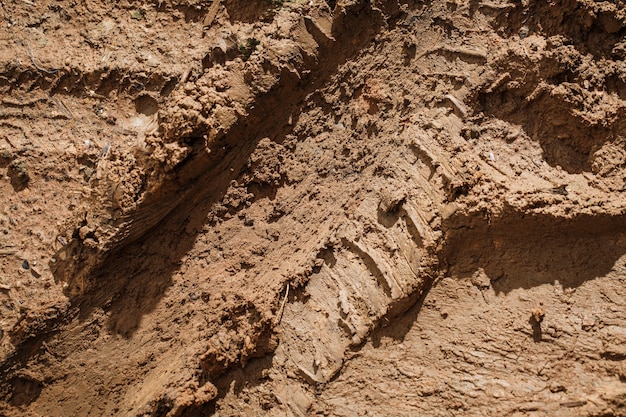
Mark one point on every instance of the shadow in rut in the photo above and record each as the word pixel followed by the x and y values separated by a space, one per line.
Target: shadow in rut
pixel 518 251
pixel 396 327
pixel 235 381
pixel 568 140
pixel 133 279
pixel 252 12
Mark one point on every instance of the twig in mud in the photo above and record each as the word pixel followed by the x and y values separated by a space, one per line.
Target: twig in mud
pixel 494 166
pixel 63 108
pixel 572 404
pixel 471 53
pixel 458 104
pixel 185 76
pixel 279 316
pixel 32 59
pixel 210 16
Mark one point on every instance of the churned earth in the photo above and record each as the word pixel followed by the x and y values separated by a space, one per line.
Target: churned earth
pixel 327 208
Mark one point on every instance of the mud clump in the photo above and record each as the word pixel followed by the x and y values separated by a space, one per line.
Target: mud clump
pixel 312 208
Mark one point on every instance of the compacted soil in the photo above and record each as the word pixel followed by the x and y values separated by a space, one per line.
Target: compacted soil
pixel 312 208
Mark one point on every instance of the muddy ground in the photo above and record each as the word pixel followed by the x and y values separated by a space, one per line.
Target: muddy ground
pixel 309 207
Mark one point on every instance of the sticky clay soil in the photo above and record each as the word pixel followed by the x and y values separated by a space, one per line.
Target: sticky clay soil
pixel 312 208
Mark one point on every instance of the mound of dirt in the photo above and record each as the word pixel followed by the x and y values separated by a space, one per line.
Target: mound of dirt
pixel 315 207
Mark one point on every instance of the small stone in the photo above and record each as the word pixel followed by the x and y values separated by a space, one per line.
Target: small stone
pixel 84 231
pixel 523 32
pixel 480 280
pixel 588 322
pixel 88 173
pixel 538 314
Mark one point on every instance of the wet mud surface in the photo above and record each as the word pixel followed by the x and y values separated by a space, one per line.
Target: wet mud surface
pixel 312 208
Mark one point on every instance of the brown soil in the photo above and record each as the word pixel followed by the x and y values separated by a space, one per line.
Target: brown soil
pixel 339 208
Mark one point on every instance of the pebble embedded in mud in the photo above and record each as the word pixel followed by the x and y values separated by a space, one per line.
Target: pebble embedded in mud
pixel 538 314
